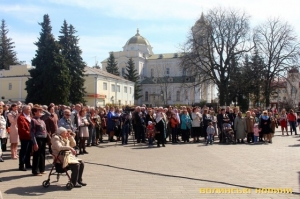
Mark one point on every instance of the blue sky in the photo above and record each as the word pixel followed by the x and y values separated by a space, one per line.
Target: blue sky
pixel 106 25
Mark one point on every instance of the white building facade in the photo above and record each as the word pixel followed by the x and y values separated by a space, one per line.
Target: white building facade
pixel 162 79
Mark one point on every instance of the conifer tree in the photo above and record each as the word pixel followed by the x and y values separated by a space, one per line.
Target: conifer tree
pixel 112 65
pixel 7 55
pixel 132 75
pixel 49 80
pixel 72 54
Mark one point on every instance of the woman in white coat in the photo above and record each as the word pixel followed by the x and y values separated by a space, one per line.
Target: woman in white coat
pixel 196 129
pixel 3 133
pixel 240 127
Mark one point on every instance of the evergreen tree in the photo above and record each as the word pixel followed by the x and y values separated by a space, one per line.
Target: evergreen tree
pixel 132 75
pixel 50 80
pixel 72 54
pixel 7 55
pixel 112 65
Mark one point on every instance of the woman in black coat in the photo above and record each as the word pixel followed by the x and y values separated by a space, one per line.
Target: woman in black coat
pixel 265 126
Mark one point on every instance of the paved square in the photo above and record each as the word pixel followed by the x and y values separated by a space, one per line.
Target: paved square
pixel 176 171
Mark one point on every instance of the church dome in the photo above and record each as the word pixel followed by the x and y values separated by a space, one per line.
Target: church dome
pixel 138 39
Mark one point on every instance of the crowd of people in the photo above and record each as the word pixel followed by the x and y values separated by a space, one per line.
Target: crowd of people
pixel 60 127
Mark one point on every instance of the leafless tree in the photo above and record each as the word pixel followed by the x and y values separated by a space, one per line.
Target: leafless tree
pixel 163 80
pixel 213 42
pixel 279 47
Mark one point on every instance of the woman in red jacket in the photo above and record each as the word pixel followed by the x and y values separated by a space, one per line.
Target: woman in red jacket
pixel 23 123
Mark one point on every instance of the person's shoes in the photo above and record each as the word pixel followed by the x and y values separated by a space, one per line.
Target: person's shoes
pixel 82 183
pixel 163 145
pixel 296 133
pixel 77 185
pixel 101 141
pixel 28 167
pixel 94 144
pixel 22 169
pixel 85 152
pixel 158 145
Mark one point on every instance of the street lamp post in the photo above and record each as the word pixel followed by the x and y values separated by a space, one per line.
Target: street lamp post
pixel 162 97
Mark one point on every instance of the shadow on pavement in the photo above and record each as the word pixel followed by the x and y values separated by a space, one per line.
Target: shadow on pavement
pixel 295 145
pixel 9 178
pixel 145 147
pixel 34 190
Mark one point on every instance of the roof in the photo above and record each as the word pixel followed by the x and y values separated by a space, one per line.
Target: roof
pixel 138 39
pixel 294 70
pixel 159 80
pixel 95 71
pixel 166 56
pixel 279 84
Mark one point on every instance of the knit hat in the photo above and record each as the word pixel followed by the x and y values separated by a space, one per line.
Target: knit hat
pixel 149 123
pixel 60 130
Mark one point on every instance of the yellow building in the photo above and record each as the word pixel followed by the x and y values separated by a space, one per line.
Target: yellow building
pixel 101 87
pixel 12 83
pixel 104 88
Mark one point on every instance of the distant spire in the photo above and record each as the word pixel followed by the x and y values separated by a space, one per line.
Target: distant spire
pixel 137 32
pixel 202 16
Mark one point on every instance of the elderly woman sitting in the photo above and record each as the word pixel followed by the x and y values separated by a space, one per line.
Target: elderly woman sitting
pixel 64 140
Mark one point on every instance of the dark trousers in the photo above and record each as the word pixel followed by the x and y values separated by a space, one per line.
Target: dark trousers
pixel 185 134
pixel 24 154
pixel 250 137
pixel 3 144
pixel 125 132
pixel 77 170
pixel 140 133
pixel 174 135
pixel 160 138
pixel 38 161
pixel 293 127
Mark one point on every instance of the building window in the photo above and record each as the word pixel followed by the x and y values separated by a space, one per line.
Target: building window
pixel 184 72
pixel 9 86
pixel 152 72
pixel 186 95
pixel 167 71
pixel 118 88
pixel 129 90
pixel 146 96
pixel 169 96
pixel 123 72
pixel 178 96
pixel 104 86
pixel 113 88
pixel 125 89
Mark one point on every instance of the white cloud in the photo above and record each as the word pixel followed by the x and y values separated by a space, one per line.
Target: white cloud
pixel 27 13
pixel 139 10
pixel 185 9
pixel 24 45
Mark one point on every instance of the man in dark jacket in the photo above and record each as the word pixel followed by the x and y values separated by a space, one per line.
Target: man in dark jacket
pixel 139 125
